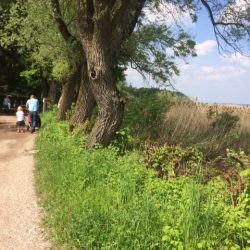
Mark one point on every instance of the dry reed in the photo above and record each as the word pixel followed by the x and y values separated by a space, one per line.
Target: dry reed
pixel 190 123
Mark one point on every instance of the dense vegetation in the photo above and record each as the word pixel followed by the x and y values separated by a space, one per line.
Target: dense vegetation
pixel 80 50
pixel 173 177
pixel 147 197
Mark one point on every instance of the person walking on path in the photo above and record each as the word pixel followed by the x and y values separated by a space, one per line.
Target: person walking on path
pixel 18 101
pixel 20 119
pixel 20 214
pixel 6 104
pixel 33 105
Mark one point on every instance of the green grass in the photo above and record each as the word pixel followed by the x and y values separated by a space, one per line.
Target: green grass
pixel 99 200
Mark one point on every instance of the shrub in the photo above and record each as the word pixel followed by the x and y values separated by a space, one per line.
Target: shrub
pixel 173 161
pixel 145 112
pixel 100 200
pixel 224 123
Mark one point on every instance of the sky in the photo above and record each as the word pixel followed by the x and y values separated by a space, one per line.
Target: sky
pixel 211 77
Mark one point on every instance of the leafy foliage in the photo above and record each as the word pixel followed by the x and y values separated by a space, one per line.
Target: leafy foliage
pixel 145 112
pixel 99 200
pixel 173 161
pixel 225 122
pixel 12 60
pixel 121 141
pixel 205 224
pixel 152 49
pixel 40 36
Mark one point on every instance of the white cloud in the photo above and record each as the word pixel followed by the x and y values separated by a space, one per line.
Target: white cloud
pixel 196 74
pixel 238 59
pixel 206 69
pixel 206 47
pixel 225 73
pixel 186 67
pixel 133 77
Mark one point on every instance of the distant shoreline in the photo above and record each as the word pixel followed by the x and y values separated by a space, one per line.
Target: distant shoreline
pixel 224 104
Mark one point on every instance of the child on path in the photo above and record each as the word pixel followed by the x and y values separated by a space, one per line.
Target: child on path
pixel 29 121
pixel 20 119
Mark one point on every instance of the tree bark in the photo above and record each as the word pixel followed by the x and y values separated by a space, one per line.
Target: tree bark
pixel 68 95
pixel 85 100
pixel 107 96
pixel 104 25
pixel 53 92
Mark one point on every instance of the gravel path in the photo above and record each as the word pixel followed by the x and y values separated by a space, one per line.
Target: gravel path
pixel 19 212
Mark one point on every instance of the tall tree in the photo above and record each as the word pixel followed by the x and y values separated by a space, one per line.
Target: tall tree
pixel 104 25
pixel 50 37
pixel 12 60
pixel 78 77
pixel 63 55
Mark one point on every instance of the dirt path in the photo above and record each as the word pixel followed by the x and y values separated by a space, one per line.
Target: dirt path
pixel 19 212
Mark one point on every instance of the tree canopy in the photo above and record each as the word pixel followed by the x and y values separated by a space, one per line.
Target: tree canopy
pixel 87 45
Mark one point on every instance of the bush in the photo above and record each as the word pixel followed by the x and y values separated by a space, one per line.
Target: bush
pixel 173 161
pixel 145 112
pixel 100 200
pixel 224 123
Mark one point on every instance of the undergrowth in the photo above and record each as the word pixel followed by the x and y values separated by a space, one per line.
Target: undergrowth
pixel 169 118
pixel 101 200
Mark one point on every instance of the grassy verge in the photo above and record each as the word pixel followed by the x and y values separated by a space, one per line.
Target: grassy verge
pixel 98 200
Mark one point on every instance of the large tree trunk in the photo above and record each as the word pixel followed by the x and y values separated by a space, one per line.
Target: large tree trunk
pixel 44 88
pixel 53 92
pixel 104 26
pixel 85 100
pixel 68 95
pixel 107 96
pixel 71 87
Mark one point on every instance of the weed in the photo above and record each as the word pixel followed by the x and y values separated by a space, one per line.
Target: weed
pixel 99 200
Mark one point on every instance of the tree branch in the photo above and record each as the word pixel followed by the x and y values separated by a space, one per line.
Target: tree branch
pixel 218 23
pixel 85 12
pixel 224 35
pixel 124 20
pixel 59 20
